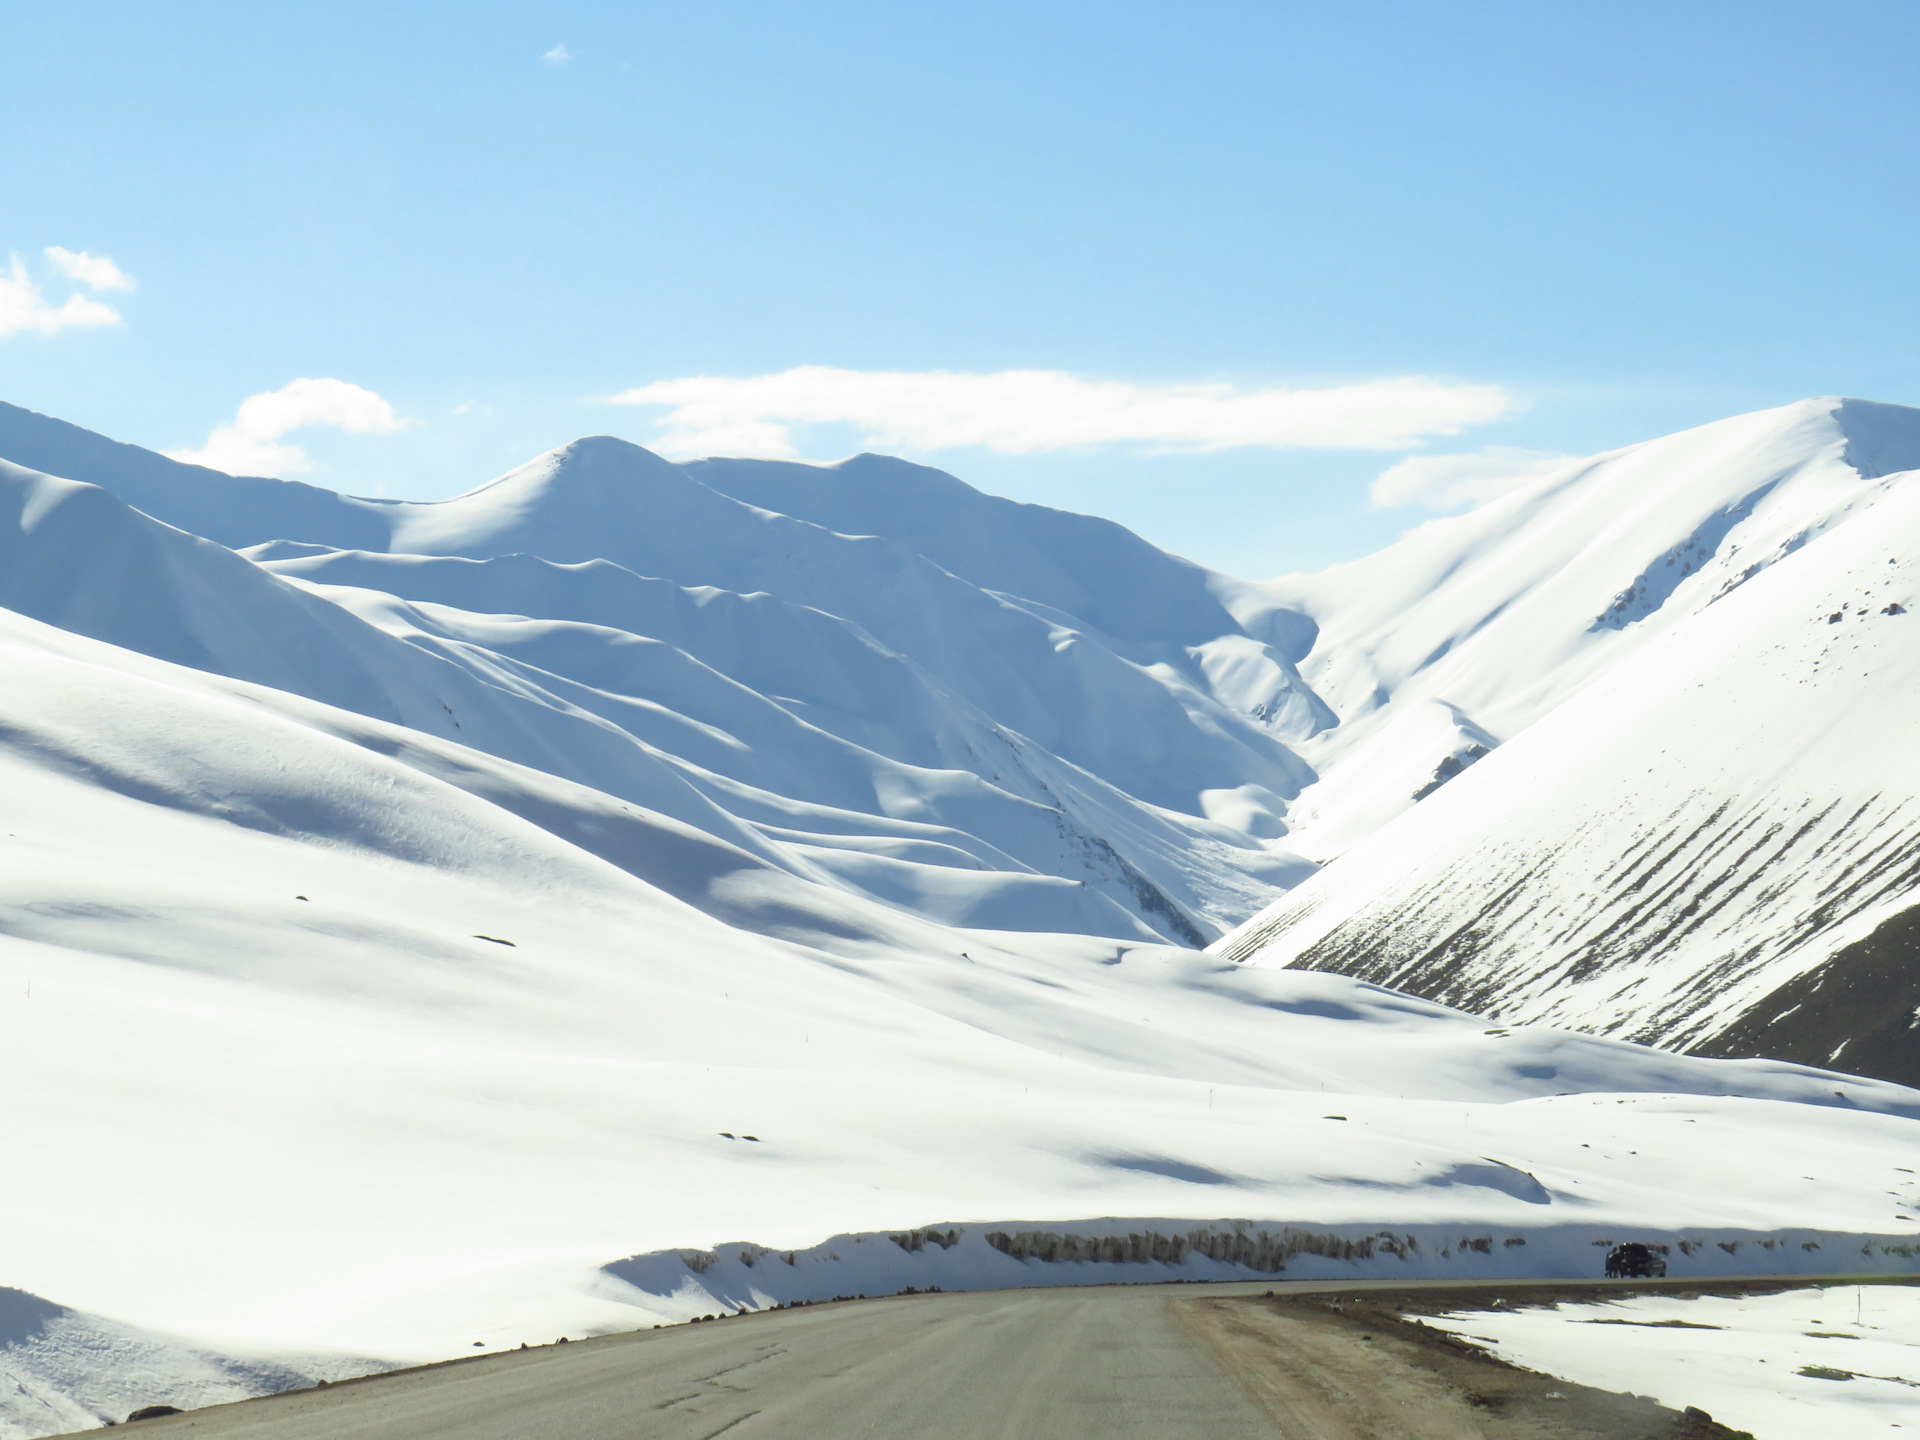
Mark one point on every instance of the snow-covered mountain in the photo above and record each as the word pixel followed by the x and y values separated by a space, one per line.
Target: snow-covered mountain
pixel 1703 828
pixel 840 703
pixel 431 905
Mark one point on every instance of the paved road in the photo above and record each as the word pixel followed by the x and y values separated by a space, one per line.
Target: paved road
pixel 1106 1363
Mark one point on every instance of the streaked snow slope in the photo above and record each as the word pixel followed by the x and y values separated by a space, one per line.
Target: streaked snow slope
pixel 1683 851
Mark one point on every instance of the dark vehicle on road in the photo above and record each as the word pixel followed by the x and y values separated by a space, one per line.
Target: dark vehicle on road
pixel 1634 1261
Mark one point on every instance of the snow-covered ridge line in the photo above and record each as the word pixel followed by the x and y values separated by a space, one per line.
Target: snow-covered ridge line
pixel 844 706
pixel 1471 628
pixel 674 1286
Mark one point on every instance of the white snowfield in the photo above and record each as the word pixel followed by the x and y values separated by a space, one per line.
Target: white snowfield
pixel 1715 784
pixel 392 943
pixel 1810 1364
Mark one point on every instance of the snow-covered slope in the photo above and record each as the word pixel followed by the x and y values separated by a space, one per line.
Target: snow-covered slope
pixel 68 1370
pixel 1457 638
pixel 1763 1364
pixel 228 509
pixel 402 1055
pixel 876 720
pixel 1715 844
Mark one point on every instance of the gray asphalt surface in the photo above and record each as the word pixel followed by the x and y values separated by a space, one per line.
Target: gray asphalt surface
pixel 1103 1363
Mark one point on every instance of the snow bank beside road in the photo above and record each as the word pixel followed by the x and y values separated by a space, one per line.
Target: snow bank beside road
pixel 69 1370
pixel 677 1285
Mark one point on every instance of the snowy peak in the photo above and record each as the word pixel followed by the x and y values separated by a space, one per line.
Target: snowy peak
pixel 554 860
pixel 881 683
pixel 596 498
pixel 1502 614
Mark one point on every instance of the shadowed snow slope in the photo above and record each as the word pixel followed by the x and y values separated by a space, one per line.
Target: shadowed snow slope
pixel 1712 838
pixel 73 1371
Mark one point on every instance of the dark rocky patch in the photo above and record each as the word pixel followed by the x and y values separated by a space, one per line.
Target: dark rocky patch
pixel 1856 1012
pixel 1450 767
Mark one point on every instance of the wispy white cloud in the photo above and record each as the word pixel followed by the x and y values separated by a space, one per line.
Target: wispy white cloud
pixel 96 272
pixel 1440 482
pixel 250 445
pixel 24 305
pixel 1027 412
pixel 559 55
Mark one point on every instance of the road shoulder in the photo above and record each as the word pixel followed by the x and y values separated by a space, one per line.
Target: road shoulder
pixel 1352 1367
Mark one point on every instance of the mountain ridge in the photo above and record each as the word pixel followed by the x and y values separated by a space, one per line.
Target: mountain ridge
pixel 990 677
pixel 1679 848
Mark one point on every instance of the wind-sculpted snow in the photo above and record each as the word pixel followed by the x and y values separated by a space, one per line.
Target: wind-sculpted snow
pixel 1671 854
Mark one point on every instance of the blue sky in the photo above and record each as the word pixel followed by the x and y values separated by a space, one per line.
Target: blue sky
pixel 1582 225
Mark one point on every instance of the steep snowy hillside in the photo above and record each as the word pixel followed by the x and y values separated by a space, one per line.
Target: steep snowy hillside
pixel 1435 650
pixel 884 723
pixel 1714 846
